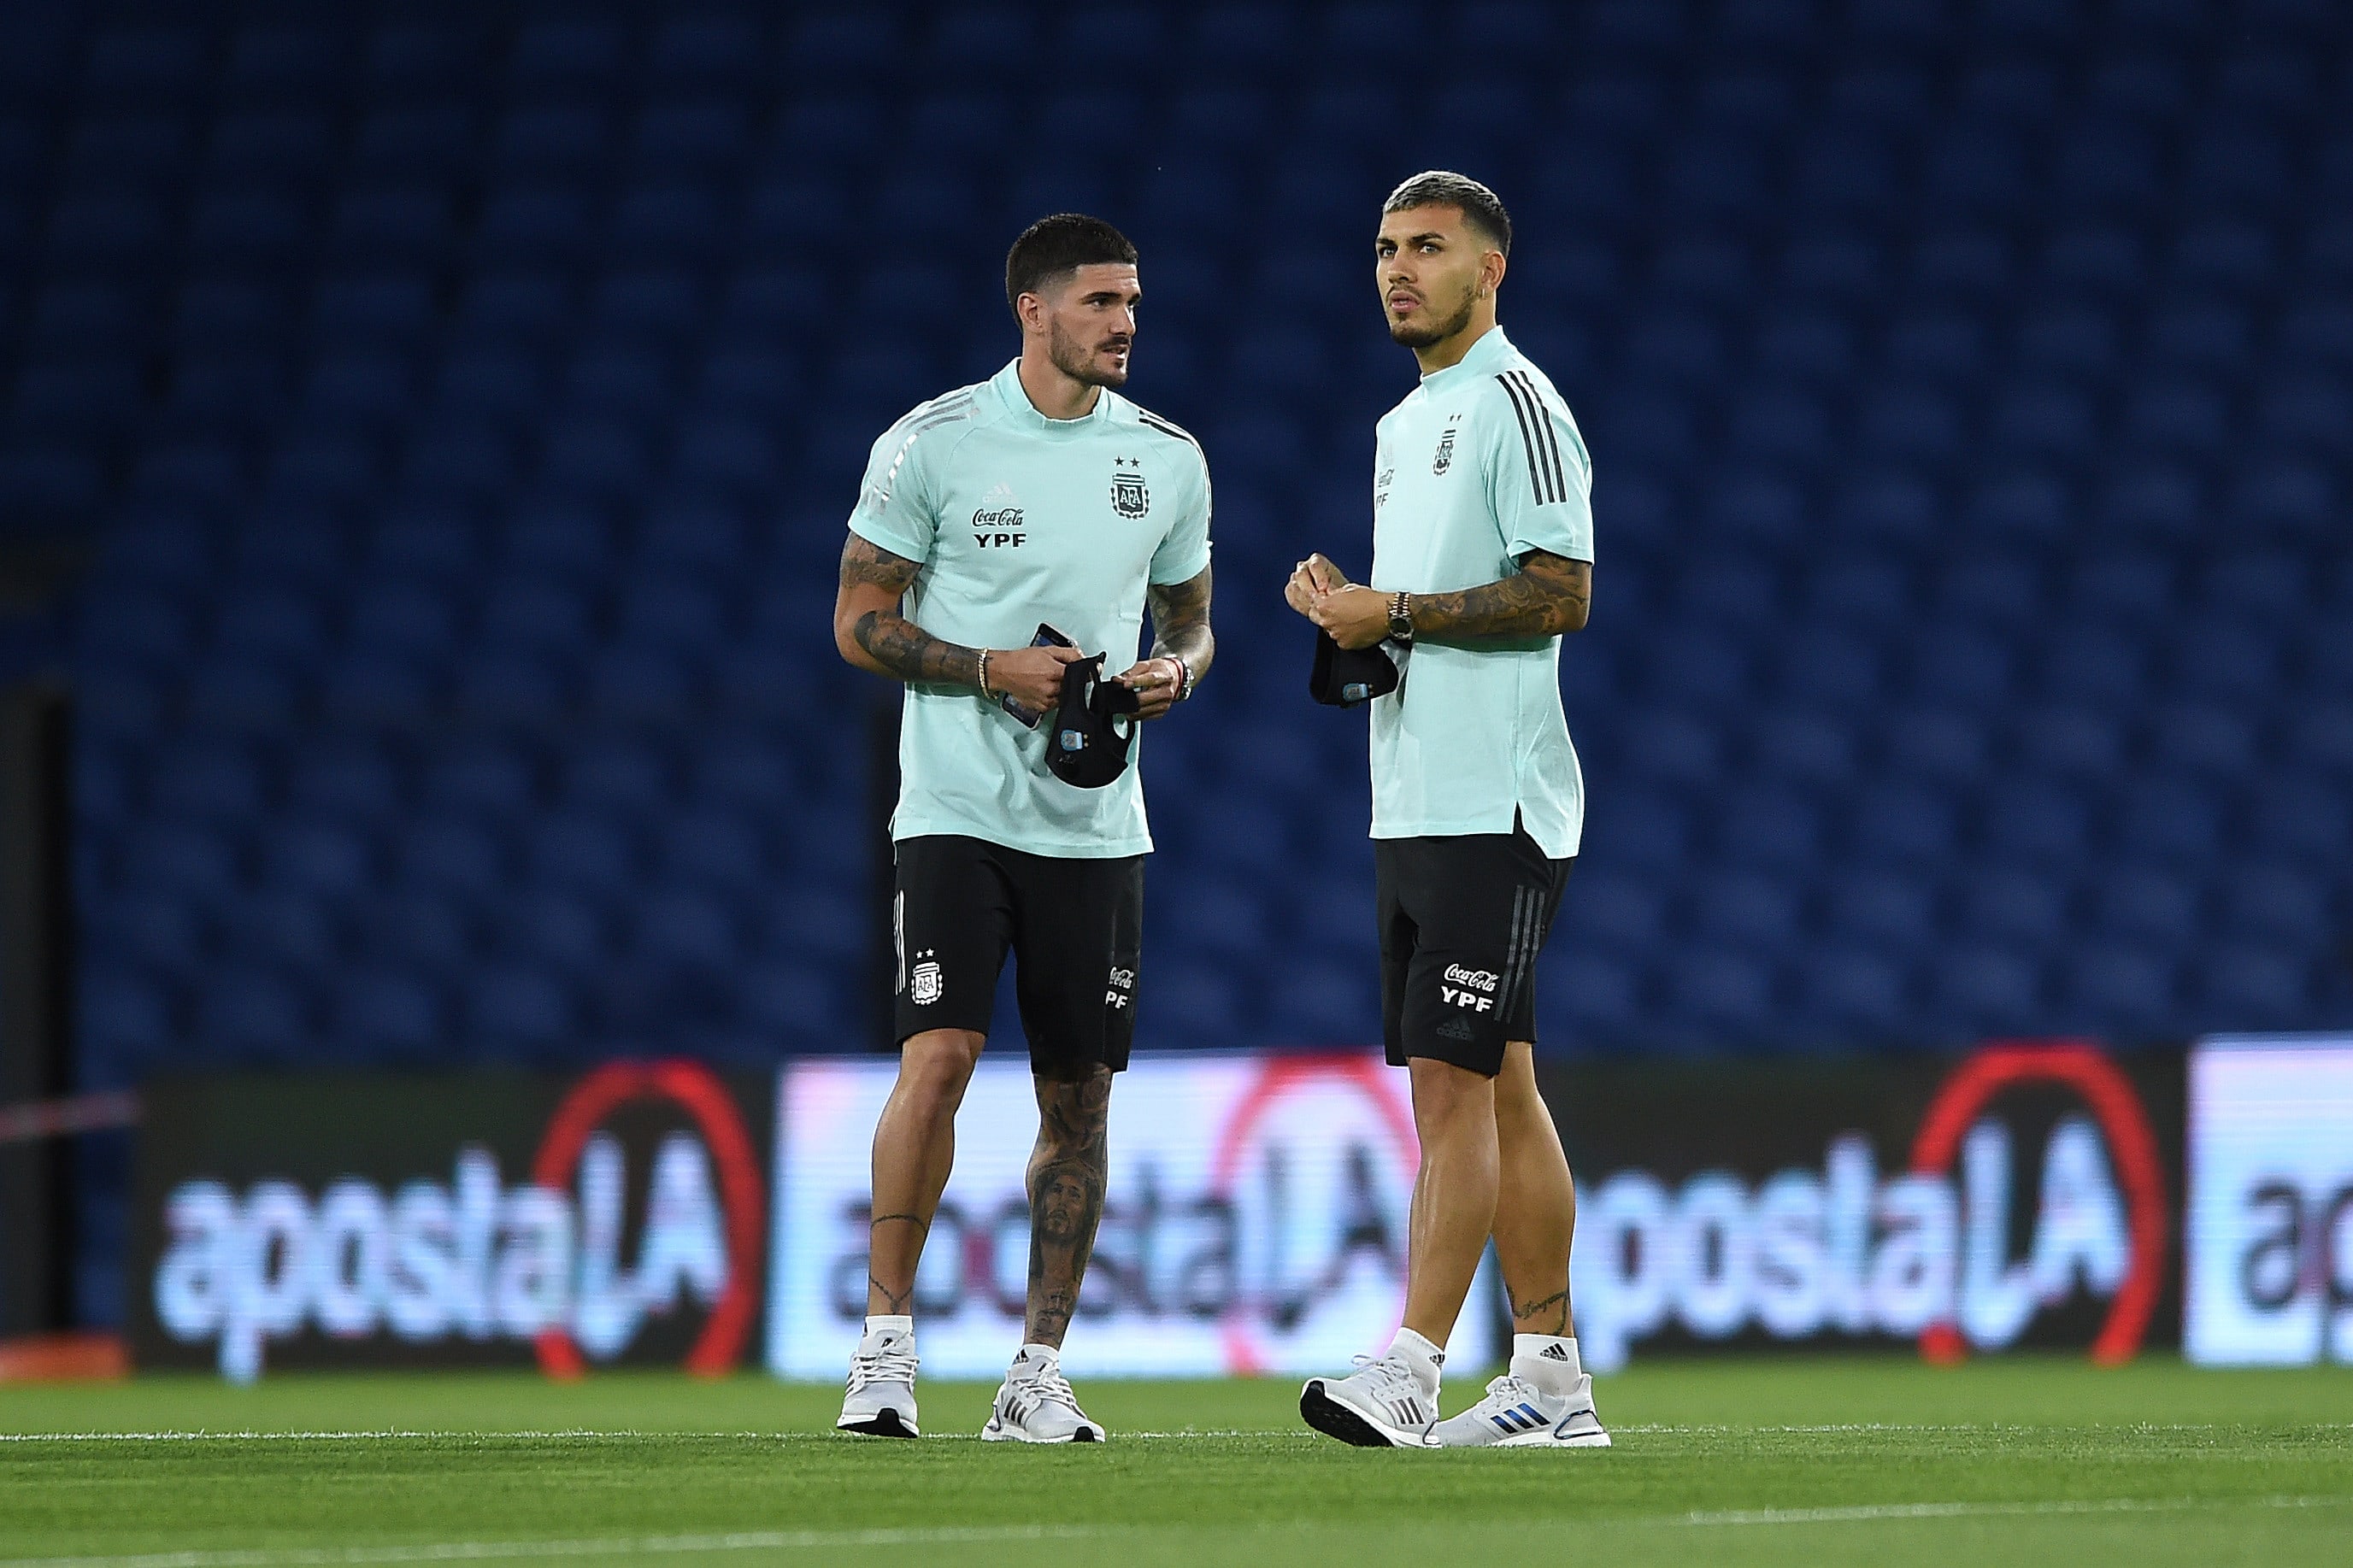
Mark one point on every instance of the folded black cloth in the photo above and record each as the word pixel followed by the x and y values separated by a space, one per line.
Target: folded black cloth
pixel 1342 678
pixel 1093 726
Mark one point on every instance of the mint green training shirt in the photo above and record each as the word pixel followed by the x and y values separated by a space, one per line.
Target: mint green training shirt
pixel 1018 518
pixel 1480 465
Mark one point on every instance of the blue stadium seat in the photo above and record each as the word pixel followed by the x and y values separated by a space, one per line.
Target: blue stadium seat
pixel 277 926
pixel 679 925
pixel 1993 989
pixel 2252 986
pixel 2078 740
pixel 446 855
pixel 255 1016
pixel 519 1009
pixel 390 1015
pixel 562 929
pixel 2021 902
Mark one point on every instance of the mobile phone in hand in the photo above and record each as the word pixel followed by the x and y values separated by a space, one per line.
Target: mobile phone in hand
pixel 1047 637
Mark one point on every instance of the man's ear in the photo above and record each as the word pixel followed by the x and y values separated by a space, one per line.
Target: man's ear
pixel 1490 269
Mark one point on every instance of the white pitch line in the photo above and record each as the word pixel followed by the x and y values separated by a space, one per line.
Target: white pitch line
pixel 829 1540
pixel 579 1436
pixel 497 1551
pixel 583 1433
pixel 198 1434
pixel 1868 1512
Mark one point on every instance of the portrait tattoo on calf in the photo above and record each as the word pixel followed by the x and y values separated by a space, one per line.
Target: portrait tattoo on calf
pixel 1066 1179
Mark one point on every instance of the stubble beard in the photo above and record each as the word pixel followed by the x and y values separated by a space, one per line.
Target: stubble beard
pixel 1413 337
pixel 1077 363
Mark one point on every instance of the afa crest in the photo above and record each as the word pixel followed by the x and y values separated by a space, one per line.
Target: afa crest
pixel 1445 457
pixel 1129 496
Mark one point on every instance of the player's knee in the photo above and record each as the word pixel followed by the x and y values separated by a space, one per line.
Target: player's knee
pixel 1444 1093
pixel 939 1063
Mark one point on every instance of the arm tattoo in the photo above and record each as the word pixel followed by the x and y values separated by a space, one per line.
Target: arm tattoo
pixel 892 640
pixel 1180 623
pixel 1548 594
pixel 1066 1198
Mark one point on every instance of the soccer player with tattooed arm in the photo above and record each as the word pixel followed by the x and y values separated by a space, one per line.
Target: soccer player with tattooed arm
pixel 1007 539
pixel 1483 551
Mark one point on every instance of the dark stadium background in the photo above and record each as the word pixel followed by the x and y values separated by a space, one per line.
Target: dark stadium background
pixel 426 433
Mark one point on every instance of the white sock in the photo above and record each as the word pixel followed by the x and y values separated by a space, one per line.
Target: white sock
pixel 1419 1354
pixel 1548 1361
pixel 897 1325
pixel 1050 1357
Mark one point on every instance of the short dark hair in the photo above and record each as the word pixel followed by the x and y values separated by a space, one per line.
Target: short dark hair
pixel 1055 246
pixel 1480 208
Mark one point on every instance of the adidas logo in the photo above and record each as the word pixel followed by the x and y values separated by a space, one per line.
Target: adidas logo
pixel 1454 1029
pixel 1521 1417
pixel 1556 1352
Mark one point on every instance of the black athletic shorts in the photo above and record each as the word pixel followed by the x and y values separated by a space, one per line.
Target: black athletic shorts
pixel 1463 918
pixel 1075 927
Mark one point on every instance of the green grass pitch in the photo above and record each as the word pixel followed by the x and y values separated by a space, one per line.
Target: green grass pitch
pixel 1872 1462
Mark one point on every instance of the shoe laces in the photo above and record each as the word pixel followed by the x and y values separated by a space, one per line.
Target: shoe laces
pixel 892 1364
pixel 1051 1384
pixel 1391 1373
pixel 1512 1389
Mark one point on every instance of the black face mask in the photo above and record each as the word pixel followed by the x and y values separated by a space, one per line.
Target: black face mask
pixel 1344 677
pixel 1087 745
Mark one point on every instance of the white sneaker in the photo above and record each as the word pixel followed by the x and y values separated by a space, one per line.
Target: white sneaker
pixel 880 1401
pixel 1517 1414
pixel 1381 1405
pixel 1035 1404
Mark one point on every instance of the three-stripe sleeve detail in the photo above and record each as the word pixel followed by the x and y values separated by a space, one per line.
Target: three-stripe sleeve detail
pixel 1548 474
pixel 1166 428
pixel 932 415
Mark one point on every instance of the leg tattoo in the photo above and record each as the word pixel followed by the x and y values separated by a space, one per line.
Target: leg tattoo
pixel 918 1221
pixel 1066 1198
pixel 1548 1316
pixel 895 1299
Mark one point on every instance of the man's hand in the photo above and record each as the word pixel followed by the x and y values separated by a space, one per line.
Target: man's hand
pixel 1030 675
pixel 1311 580
pixel 1356 617
pixel 1155 682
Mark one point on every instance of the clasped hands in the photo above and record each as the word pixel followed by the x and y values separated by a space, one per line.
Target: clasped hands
pixel 1033 677
pixel 1356 617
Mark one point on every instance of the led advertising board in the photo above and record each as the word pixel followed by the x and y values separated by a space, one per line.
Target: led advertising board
pixel 482 1219
pixel 1255 1221
pixel 1257 1213
pixel 2270 1274
pixel 2020 1197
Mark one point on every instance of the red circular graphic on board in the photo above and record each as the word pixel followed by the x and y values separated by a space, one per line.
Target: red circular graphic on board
pixel 2124 1122
pixel 693 1087
pixel 1278 1076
